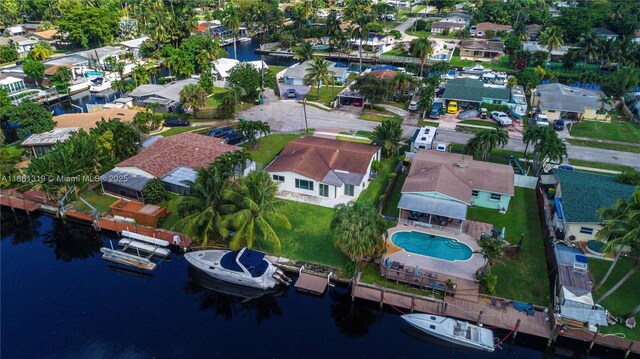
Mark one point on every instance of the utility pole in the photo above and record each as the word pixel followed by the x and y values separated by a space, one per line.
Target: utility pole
pixel 304 108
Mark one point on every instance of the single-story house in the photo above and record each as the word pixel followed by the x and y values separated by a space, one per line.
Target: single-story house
pixel 440 26
pixel 390 75
pixel 555 55
pixel 574 289
pixel 470 92
pixel 605 34
pixel 441 186
pixel 326 171
pixel 294 75
pixel 483 27
pixel 167 96
pixel 46 35
pixel 11 84
pixel 534 31
pixel 559 101
pixel 222 67
pixel 14 31
pixel 40 143
pixel 579 196
pixel 481 50
pixel 374 40
pixel 95 57
pixel 21 43
pixel 133 45
pixel 457 16
pixel 173 159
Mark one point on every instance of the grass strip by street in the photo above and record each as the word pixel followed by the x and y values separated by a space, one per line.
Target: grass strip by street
pixel 622 131
pixel 599 165
pixel 377 116
pixel 378 186
pixel 325 95
pixel 428 123
pixel 603 145
pixel 178 130
pixel 621 301
pixel 351 139
pixel 312 104
pixel 524 277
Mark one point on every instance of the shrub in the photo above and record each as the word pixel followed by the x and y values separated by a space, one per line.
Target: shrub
pixel 488 282
pixel 445 32
pixel 421 24
pixel 629 176
pixel 493 107
pixel 154 191
pixel 227 107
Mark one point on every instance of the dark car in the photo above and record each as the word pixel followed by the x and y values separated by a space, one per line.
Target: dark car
pixel 176 122
pixel 233 138
pixel 435 110
pixel 358 102
pixel 558 125
pixel 219 132
pixel 291 93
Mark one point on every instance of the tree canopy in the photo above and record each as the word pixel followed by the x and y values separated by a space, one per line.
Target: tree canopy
pixel 247 79
pixel 86 28
pixel 26 118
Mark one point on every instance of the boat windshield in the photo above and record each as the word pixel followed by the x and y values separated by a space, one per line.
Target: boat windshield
pixel 252 260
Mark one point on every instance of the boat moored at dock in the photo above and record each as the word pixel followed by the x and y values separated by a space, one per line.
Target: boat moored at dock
pixel 453 331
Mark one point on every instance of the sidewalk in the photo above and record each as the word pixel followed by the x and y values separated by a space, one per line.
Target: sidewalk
pixel 603 141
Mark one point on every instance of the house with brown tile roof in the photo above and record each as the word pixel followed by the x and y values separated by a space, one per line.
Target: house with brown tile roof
pixel 441 186
pixel 173 159
pixel 323 171
pixel 490 26
pixel 87 121
pixel 481 50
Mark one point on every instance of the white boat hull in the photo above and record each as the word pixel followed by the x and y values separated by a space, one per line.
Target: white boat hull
pixel 445 328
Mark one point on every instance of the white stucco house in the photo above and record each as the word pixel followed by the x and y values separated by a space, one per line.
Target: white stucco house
pixel 294 75
pixel 222 67
pixel 323 171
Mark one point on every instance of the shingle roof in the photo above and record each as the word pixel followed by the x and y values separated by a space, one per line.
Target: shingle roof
pixel 447 25
pixel 583 194
pixel 485 26
pixel 466 89
pixel 87 121
pixel 184 150
pixel 46 34
pixel 49 138
pixel 455 175
pixel 560 97
pixel 384 74
pixel 298 71
pixel 326 160
pixel 495 46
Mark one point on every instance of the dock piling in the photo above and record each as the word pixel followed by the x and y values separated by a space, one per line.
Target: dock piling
pixel 515 331
pixel 479 321
pixel 628 351
pixel 381 298
pixel 593 340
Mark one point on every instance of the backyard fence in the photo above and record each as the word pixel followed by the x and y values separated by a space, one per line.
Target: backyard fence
pixel 525 181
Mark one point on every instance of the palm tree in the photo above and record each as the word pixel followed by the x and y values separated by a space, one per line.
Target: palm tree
pixel 193 96
pixel 549 148
pixel 251 130
pixel 256 210
pixel 388 134
pixel 616 230
pixel 402 81
pixel 304 52
pixel 487 140
pixel 551 37
pixel 210 51
pixel 360 33
pixel 204 208
pixel 421 48
pixel 318 73
pixel 610 52
pixel 41 51
pixel 332 27
pixel 633 220
pixel 531 136
pixel 589 44
pixel 357 230
pixel 231 21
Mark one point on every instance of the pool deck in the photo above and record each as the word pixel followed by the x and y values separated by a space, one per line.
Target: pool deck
pixel 458 269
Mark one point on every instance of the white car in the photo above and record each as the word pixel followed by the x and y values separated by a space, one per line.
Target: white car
pixel 501 118
pixel 413 106
pixel 542 120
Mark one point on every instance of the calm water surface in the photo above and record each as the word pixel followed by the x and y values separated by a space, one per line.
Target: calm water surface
pixel 61 300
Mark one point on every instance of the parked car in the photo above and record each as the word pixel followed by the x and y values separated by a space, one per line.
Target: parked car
pixel 558 125
pixel 413 105
pixel 176 122
pixel 358 102
pixel 501 118
pixel 233 138
pixel 435 110
pixel 484 113
pixel 541 120
pixel 452 107
pixel 291 93
pixel 219 132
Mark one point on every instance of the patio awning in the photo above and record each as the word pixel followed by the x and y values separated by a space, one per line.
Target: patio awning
pixel 438 207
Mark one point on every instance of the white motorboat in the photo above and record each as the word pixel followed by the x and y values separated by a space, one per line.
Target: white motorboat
pixel 518 104
pixel 244 267
pixel 244 39
pixel 454 331
pixel 100 84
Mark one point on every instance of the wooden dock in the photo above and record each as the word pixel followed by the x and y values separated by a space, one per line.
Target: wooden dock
pixel 311 283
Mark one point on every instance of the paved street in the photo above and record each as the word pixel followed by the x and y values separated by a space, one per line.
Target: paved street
pixel 288 116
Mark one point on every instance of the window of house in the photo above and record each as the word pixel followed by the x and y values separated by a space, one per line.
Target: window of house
pixel 324 190
pixel 476 53
pixel 349 190
pixel 551 111
pixel 474 193
pixel 586 230
pixel 303 184
pixel 495 196
pixel 278 178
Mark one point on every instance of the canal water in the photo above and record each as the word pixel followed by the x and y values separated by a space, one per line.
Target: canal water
pixel 61 300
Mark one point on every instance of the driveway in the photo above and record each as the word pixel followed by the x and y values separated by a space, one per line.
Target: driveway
pixel 301 91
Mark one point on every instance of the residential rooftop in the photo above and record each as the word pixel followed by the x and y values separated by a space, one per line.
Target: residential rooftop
pixel 89 120
pixel 49 138
pixel 473 90
pixel 559 97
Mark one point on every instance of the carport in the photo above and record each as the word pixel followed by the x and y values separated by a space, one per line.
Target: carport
pixel 348 96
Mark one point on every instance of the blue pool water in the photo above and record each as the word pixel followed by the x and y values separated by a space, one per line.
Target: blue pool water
pixel 440 57
pixel 321 47
pixel 433 246
pixel 93 73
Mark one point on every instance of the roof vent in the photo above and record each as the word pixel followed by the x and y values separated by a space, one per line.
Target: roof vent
pixel 462 165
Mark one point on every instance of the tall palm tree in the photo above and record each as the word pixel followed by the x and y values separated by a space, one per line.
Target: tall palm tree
pixel 318 73
pixel 357 230
pixel 633 244
pixel 421 48
pixel 231 21
pixel 332 27
pixel 360 33
pixel 303 52
pixel 549 148
pixel 616 230
pixel 589 44
pixel 487 140
pixel 531 136
pixel 610 51
pixel 41 51
pixel 210 51
pixel 388 134
pixel 402 81
pixel 551 37
pixel 251 130
pixel 193 96
pixel 204 208
pixel 256 210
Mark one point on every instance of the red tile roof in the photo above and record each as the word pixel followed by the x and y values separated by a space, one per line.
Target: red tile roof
pixel 384 74
pixel 186 149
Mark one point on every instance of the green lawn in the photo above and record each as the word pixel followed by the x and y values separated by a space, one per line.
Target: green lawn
pixel 428 123
pixel 606 146
pixel 97 199
pixel 217 96
pixel 391 207
pixel 377 116
pixel 395 52
pixel 171 205
pixel 376 188
pixel 327 94
pixel 269 146
pixel 420 33
pixel 179 130
pixel 371 274
pixel 274 69
pixel 480 123
pixel 14 149
pixel 622 131
pixel 351 139
pixel 525 277
pixel 600 165
pixel 624 299
pixel 400 105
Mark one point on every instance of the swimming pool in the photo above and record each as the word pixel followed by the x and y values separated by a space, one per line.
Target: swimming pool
pixel 93 73
pixel 431 245
pixel 439 57
pixel 321 47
